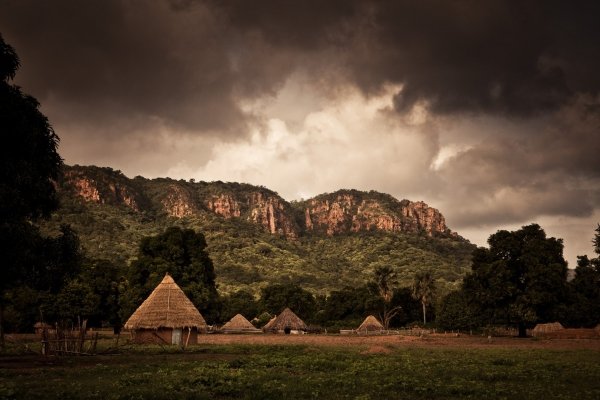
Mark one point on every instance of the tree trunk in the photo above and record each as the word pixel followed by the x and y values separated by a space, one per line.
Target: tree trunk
pixel 522 330
pixel 1 325
pixel 424 314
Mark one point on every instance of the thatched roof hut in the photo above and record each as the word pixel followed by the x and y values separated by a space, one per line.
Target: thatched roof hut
pixel 286 322
pixel 541 329
pixel 39 327
pixel 370 324
pixel 239 324
pixel 269 324
pixel 166 316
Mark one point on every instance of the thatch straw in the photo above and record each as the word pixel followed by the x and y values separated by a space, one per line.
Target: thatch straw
pixel 166 307
pixel 286 320
pixel 370 324
pixel 269 324
pixel 239 324
pixel 550 327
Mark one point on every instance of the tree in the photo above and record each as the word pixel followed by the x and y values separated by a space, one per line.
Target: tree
pixel 520 279
pixel 584 289
pixel 29 161
pixel 29 164
pixel 384 279
pixel 181 253
pixel 240 302
pixel 423 289
pixel 275 298
pixel 456 312
pixel 105 279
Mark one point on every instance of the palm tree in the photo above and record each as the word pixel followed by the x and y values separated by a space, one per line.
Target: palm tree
pixel 423 289
pixel 385 279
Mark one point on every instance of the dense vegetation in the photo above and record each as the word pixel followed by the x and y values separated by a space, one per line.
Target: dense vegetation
pixel 29 163
pixel 247 257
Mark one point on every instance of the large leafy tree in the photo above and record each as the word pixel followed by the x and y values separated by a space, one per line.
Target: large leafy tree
pixel 29 164
pixel 181 253
pixel 520 279
pixel 240 302
pixel 29 161
pixel 275 298
pixel 584 289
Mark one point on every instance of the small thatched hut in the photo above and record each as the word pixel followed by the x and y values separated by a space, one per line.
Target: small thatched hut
pixel 541 329
pixel 167 316
pixel 39 327
pixel 370 324
pixel 286 322
pixel 239 324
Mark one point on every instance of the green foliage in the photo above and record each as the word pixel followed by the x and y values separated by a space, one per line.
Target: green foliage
pixel 29 160
pixel 44 271
pixel 29 166
pixel 182 254
pixel 245 256
pixel 240 302
pixel 520 279
pixel 423 289
pixel 275 298
pixel 584 290
pixel 267 372
pixel 456 313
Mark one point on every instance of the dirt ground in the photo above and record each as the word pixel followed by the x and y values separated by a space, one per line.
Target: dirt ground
pixel 575 339
pixel 568 339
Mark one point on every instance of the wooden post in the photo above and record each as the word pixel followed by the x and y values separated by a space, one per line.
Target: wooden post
pixel 188 337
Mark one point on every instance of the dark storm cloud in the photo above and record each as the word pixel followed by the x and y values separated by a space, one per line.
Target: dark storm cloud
pixel 112 62
pixel 189 62
pixel 508 57
pixel 516 175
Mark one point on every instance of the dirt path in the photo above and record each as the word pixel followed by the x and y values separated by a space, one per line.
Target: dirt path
pixel 434 341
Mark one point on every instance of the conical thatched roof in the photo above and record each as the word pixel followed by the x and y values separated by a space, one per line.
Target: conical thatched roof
pixel 287 319
pixel 269 324
pixel 370 324
pixel 166 307
pixel 239 324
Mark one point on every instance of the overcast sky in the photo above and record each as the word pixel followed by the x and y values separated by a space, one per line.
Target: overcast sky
pixel 486 110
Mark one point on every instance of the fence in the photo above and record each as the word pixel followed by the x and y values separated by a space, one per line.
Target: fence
pixel 61 341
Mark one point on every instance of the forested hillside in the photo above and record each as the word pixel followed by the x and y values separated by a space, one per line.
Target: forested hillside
pixel 255 237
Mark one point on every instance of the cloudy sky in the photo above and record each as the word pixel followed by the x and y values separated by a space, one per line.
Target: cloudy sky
pixel 488 111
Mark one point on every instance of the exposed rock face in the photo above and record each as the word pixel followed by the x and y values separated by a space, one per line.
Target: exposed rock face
pixel 92 190
pixel 224 205
pixel 421 216
pixel 349 213
pixel 272 213
pixel 342 212
pixel 178 202
pixel 87 190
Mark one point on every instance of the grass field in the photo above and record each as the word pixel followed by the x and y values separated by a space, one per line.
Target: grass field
pixel 381 368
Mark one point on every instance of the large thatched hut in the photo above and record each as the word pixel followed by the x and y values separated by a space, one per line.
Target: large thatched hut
pixel 370 324
pixel 167 316
pixel 239 324
pixel 286 322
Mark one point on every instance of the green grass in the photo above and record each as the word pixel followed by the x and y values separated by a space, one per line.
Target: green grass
pixel 263 372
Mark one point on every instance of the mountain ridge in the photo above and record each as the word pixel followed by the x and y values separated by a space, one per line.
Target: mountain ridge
pixel 339 212
pixel 255 237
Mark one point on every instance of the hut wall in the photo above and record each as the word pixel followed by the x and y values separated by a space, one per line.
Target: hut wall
pixel 163 336
pixel 160 336
pixel 193 336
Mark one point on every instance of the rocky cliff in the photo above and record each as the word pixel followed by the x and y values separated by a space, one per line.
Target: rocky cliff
pixel 340 212
pixel 354 211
